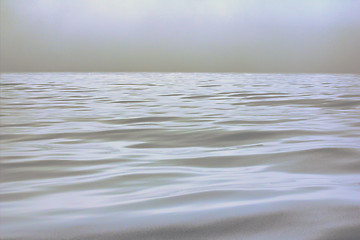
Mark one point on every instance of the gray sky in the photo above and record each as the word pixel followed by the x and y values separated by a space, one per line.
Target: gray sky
pixel 188 35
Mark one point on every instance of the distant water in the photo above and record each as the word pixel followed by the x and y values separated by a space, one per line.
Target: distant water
pixel 180 156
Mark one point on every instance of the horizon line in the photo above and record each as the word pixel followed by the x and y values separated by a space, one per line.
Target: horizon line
pixel 215 72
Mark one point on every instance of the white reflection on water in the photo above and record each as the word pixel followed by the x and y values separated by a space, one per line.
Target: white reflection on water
pixel 122 153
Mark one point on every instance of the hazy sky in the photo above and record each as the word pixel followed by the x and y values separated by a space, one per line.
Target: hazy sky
pixel 185 35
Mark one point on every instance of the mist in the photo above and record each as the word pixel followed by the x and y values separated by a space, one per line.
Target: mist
pixel 317 36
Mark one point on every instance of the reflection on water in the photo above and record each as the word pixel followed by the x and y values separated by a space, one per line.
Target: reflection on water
pixel 180 155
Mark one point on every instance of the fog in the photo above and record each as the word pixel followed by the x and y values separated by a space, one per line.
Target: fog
pixel 314 36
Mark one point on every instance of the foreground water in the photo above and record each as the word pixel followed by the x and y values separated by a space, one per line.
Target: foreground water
pixel 180 156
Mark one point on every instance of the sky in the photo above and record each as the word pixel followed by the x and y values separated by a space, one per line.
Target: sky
pixel 292 36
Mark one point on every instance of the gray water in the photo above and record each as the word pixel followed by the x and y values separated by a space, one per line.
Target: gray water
pixel 180 156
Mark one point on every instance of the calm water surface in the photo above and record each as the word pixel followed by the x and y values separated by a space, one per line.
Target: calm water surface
pixel 179 156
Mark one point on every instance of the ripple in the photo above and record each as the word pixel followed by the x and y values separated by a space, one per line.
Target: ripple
pixel 179 156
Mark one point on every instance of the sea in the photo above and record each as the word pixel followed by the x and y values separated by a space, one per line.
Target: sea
pixel 179 156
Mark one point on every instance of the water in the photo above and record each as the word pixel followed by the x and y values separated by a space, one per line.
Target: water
pixel 180 156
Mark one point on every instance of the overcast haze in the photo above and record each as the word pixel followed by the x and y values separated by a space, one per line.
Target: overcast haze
pixel 192 36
